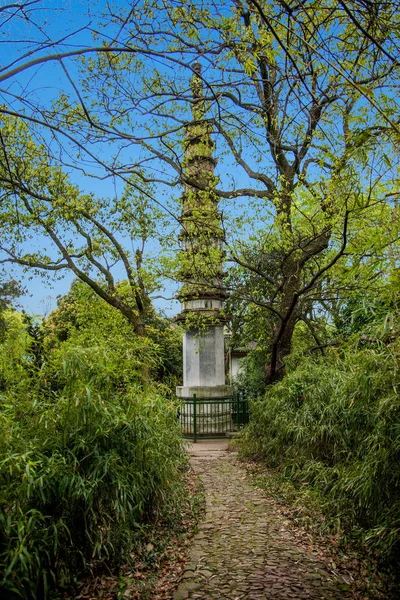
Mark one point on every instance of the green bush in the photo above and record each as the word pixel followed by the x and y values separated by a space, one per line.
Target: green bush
pixel 333 423
pixel 83 319
pixel 82 470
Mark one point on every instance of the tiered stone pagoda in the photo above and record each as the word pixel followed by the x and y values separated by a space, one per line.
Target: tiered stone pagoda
pixel 202 256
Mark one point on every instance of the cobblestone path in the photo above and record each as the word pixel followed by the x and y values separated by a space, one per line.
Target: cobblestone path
pixel 243 549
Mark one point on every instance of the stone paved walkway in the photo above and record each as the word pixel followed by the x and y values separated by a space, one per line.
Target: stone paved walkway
pixel 244 550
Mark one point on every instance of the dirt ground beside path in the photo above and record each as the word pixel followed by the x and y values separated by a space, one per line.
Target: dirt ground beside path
pixel 244 549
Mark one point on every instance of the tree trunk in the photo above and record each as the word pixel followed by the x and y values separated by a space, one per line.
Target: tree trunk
pixel 282 339
pixel 280 349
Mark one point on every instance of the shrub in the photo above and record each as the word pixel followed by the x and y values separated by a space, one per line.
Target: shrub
pixel 334 423
pixel 83 319
pixel 82 470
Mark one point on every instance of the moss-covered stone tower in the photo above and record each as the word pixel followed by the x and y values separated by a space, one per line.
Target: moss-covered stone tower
pixel 202 293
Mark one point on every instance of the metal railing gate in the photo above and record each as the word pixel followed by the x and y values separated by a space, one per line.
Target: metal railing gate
pixel 213 417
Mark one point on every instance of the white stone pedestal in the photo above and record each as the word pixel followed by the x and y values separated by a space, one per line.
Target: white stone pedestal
pixel 204 378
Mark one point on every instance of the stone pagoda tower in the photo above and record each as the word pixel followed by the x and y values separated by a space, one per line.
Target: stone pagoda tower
pixel 202 256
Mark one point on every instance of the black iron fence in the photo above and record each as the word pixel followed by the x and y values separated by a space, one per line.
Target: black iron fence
pixel 213 417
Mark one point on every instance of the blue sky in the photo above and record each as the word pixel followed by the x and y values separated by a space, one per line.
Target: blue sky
pixel 53 20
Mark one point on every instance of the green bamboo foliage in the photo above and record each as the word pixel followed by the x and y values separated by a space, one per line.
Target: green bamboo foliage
pixel 333 424
pixel 83 467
